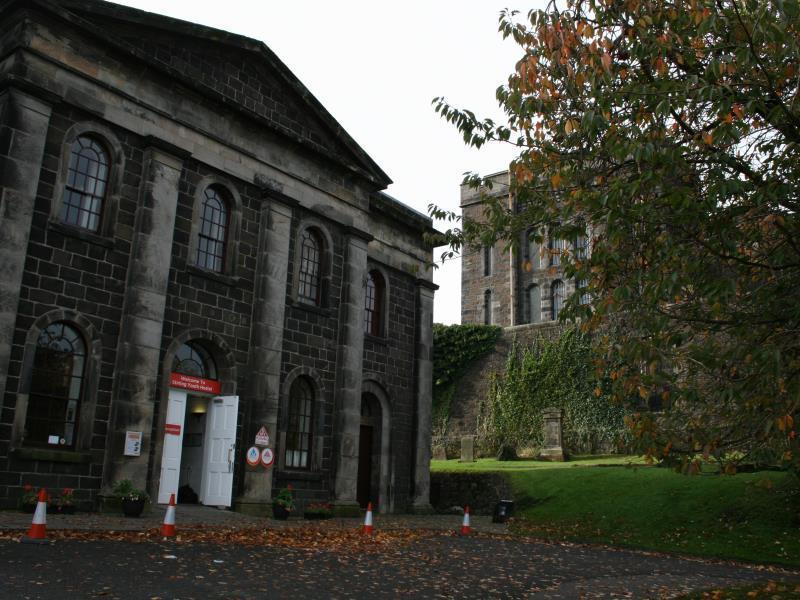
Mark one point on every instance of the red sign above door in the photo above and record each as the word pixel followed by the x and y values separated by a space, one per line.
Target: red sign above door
pixel 194 384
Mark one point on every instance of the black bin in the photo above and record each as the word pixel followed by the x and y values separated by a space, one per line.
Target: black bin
pixel 502 511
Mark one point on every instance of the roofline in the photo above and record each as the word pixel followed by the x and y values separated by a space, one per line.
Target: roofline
pixel 187 28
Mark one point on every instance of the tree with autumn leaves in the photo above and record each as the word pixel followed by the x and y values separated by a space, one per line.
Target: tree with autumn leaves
pixel 670 132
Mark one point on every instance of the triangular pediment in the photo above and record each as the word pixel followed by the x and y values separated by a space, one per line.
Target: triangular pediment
pixel 240 71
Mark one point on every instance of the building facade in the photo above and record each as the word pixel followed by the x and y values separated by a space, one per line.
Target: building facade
pixel 518 286
pixel 203 283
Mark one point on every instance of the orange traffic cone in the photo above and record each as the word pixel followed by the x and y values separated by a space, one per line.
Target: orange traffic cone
pixel 38 530
pixel 465 528
pixel 368 520
pixel 168 528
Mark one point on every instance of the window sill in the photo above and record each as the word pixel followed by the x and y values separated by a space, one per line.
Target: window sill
pixel 65 456
pixel 218 277
pixel 81 234
pixel 327 312
pixel 301 475
pixel 376 339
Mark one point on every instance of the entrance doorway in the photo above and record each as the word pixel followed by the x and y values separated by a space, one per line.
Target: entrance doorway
pixel 369 453
pixel 199 446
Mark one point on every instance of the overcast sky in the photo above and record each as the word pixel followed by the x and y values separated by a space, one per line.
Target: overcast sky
pixel 376 66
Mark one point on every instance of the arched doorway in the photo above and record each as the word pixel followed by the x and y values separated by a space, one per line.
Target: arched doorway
pixel 369 452
pixel 199 435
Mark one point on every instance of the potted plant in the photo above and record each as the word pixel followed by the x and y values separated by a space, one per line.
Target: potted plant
pixel 131 499
pixel 65 503
pixel 29 499
pixel 283 503
pixel 318 510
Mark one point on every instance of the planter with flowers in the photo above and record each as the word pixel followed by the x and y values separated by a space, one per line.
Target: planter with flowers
pixel 65 503
pixel 318 510
pixel 28 499
pixel 131 499
pixel 283 503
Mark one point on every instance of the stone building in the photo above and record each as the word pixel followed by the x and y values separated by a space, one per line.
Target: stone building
pixel 515 287
pixel 202 281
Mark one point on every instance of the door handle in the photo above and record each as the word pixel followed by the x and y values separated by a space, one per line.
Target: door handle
pixel 230 459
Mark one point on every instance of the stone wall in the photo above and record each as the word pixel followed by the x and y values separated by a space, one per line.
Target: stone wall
pixel 479 491
pixel 474 386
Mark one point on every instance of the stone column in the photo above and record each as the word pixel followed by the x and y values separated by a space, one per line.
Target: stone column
pixel 136 371
pixel 424 400
pixel 264 376
pixel 349 372
pixel 24 121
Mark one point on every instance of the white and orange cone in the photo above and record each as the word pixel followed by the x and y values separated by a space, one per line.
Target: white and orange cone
pixel 38 531
pixel 168 528
pixel 465 528
pixel 368 529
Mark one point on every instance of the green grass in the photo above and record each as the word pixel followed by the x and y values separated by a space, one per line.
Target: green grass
pixel 752 516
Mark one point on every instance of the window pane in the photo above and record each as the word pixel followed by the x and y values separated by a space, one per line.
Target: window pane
pixel 213 233
pixel 300 418
pixel 87 178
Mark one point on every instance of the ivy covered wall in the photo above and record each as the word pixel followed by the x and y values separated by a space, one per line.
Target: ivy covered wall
pixel 495 383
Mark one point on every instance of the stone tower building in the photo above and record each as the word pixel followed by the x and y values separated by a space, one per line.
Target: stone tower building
pixel 509 288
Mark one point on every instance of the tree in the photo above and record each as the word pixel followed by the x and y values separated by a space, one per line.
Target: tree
pixel 671 130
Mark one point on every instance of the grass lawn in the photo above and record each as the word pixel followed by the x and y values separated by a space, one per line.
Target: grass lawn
pixel 748 516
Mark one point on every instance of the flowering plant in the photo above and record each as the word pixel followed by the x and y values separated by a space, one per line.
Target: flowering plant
pixel 285 498
pixel 66 497
pixel 29 495
pixel 124 490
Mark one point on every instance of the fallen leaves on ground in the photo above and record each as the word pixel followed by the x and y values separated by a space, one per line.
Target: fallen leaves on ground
pixel 302 538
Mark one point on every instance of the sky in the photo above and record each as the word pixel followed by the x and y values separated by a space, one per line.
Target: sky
pixel 376 66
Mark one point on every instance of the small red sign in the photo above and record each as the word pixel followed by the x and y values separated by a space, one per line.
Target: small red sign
pixel 267 458
pixel 194 384
pixel 172 429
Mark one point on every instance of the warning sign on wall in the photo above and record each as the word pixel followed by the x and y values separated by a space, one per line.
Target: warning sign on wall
pixel 267 458
pixel 262 437
pixel 253 456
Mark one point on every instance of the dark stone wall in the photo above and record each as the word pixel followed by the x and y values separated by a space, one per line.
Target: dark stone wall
pixel 68 269
pixel 479 491
pixel 391 358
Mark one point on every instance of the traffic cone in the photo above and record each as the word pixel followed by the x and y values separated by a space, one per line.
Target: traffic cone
pixel 368 520
pixel 168 528
pixel 38 530
pixel 465 528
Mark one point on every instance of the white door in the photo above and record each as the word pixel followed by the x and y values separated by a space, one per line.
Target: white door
pixel 219 448
pixel 173 443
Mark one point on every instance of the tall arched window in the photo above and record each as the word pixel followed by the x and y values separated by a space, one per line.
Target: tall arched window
pixel 534 304
pixel 556 247
pixel 87 179
pixel 488 260
pixel 56 387
pixel 583 290
pixel 373 303
pixel 581 246
pixel 192 359
pixel 557 298
pixel 531 249
pixel 213 232
pixel 309 277
pixel 298 432
pixel 487 307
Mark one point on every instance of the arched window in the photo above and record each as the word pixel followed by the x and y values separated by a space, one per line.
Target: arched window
pixel 581 246
pixel 534 304
pixel 373 303
pixel 556 247
pixel 488 260
pixel 85 189
pixel 487 307
pixel 213 232
pixel 193 359
pixel 309 277
pixel 56 387
pixel 298 432
pixel 557 298
pixel 531 249
pixel 583 290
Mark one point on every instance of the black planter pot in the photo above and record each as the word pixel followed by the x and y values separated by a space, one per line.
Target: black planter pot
pixel 280 512
pixel 132 508
pixel 66 509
